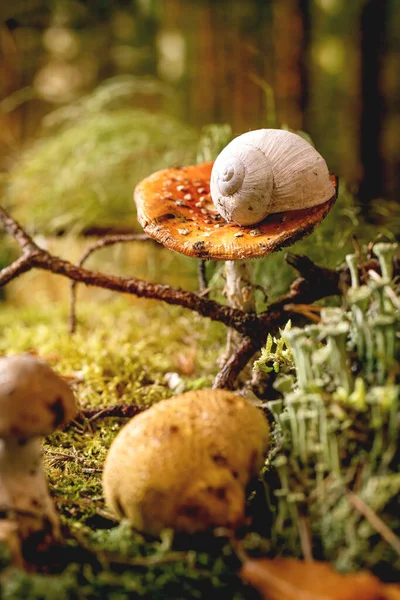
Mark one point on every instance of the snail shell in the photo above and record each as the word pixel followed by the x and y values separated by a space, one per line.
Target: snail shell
pixel 268 171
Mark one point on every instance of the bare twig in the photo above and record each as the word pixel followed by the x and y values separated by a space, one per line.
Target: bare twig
pixel 83 503
pixel 16 268
pixel 305 537
pixel 327 279
pixel 122 410
pixel 387 534
pixel 109 240
pixel 234 365
pixel 41 259
pixel 307 310
pixel 315 283
pixel 27 244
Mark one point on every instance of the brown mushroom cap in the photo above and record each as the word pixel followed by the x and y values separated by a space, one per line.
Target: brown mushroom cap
pixel 185 462
pixel 174 207
pixel 34 400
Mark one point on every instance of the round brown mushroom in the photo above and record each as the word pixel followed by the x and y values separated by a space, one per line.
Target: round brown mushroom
pixel 185 462
pixel 34 401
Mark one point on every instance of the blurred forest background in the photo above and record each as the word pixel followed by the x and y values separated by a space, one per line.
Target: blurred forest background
pixel 333 66
pixel 69 70
pixel 95 95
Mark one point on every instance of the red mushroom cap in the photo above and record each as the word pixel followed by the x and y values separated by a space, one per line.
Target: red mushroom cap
pixel 175 208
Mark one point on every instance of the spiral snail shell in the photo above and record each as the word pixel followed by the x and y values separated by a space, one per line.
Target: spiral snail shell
pixel 268 171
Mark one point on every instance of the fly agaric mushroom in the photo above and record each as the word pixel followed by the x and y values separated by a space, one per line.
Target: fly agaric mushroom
pixel 185 462
pixel 34 401
pixel 174 205
pixel 175 208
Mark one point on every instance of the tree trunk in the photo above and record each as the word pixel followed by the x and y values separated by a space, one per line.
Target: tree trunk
pixel 373 33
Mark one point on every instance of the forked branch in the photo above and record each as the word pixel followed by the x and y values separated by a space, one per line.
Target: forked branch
pixel 315 283
pixel 104 242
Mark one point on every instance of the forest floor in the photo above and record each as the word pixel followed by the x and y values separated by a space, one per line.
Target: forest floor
pixel 122 352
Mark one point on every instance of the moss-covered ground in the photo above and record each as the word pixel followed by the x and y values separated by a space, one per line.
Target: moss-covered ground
pixel 117 354
pixel 141 352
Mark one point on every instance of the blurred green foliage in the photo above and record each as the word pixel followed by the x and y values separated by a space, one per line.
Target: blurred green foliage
pixel 83 172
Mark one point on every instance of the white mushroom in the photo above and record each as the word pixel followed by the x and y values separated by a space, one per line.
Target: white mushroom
pixel 9 535
pixel 34 401
pixel 185 462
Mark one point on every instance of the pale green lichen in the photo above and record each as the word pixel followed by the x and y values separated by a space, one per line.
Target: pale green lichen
pixel 276 355
pixel 337 433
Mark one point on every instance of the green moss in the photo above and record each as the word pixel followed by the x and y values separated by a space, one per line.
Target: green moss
pixel 122 351
pixel 118 352
pixel 122 564
pixel 117 355
pixel 73 460
pixel 18 584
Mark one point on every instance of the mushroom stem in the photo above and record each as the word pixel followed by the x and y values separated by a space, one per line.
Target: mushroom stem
pixel 239 294
pixel 239 289
pixel 202 276
pixel 9 536
pixel 24 483
pixel 9 525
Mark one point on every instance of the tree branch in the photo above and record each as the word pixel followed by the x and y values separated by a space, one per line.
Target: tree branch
pixel 16 268
pixel 374 520
pixel 36 257
pixel 121 410
pixel 315 283
pixel 231 369
pixel 109 240
pixel 12 227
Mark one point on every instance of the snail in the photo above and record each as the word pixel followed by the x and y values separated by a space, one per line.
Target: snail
pixel 268 171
